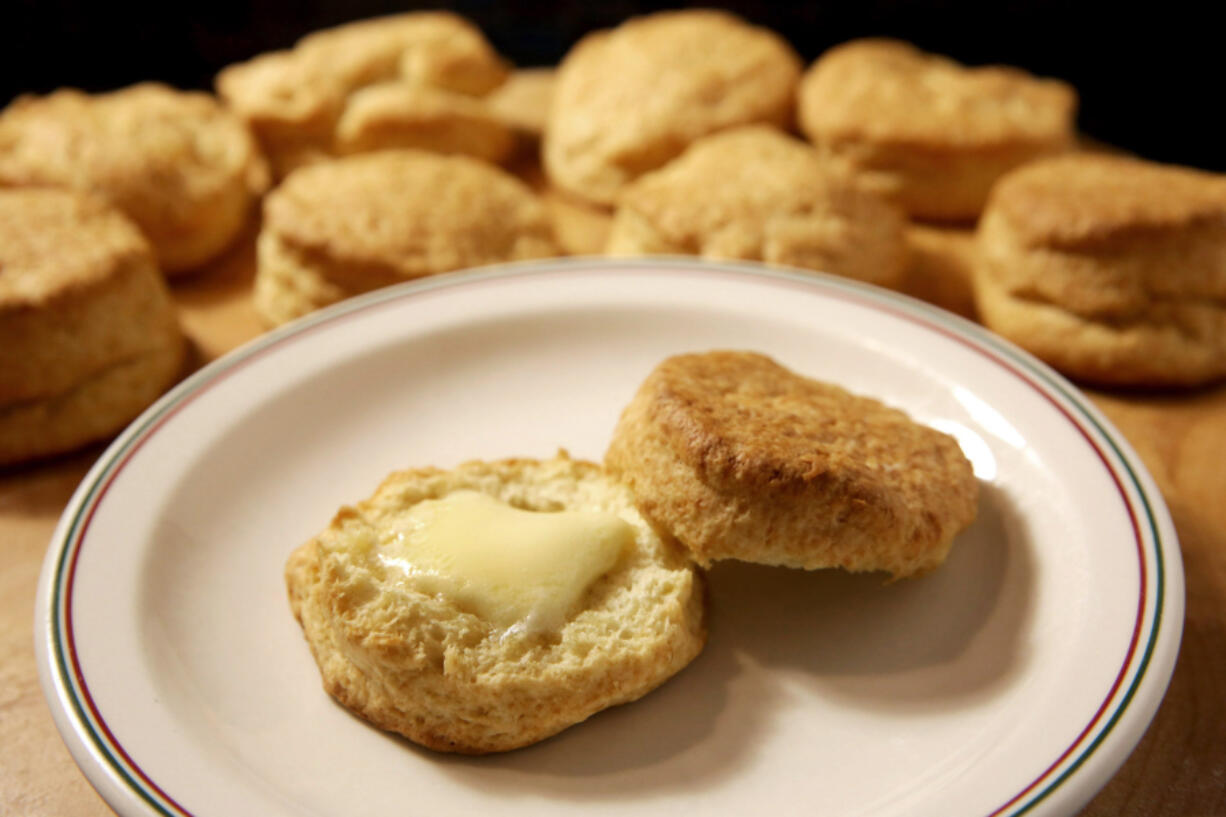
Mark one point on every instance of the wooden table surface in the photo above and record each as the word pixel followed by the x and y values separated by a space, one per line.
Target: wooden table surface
pixel 1179 768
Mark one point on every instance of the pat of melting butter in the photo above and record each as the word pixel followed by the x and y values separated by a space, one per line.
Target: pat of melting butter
pixel 523 571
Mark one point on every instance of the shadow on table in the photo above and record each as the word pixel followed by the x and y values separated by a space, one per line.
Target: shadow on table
pixel 936 643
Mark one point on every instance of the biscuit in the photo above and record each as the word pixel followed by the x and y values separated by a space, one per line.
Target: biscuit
pixel 399 115
pixel 294 99
pixel 756 194
pixel 425 664
pixel 176 163
pixel 740 458
pixel 628 100
pixel 926 132
pixel 355 224
pixel 88 333
pixel 1111 269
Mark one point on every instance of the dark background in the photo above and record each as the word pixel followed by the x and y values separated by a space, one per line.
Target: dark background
pixel 1151 76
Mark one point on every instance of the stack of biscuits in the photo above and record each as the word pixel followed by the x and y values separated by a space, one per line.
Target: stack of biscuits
pixel 405 146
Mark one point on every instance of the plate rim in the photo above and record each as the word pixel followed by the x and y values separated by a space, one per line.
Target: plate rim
pixel 125 787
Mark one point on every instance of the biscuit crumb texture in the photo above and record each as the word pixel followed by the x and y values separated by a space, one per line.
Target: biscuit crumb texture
pixel 1111 269
pixel 929 133
pixel 741 458
pixel 177 163
pixel 629 99
pixel 418 664
pixel 756 194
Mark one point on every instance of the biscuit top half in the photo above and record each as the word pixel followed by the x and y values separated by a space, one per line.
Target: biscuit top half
pixel 629 99
pixel 149 148
pixel 55 244
pixel 888 91
pixel 745 422
pixel 391 215
pixel 1086 201
pixel 308 84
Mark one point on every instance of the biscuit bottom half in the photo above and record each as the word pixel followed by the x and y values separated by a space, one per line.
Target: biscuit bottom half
pixel 1171 342
pixel 421 664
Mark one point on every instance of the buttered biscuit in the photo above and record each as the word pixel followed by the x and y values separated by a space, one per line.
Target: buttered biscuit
pixel 740 458
pixel 630 99
pixel 756 194
pixel 185 170
pixel 88 334
pixel 488 607
pixel 928 133
pixel 1111 269
pixel 355 224
pixel 294 99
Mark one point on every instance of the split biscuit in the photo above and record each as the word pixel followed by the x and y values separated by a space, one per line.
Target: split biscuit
pixel 740 458
pixel 432 666
pixel 1111 269
pixel 628 100
pixel 178 164
pixel 926 132
pixel 753 193
pixel 355 224
pixel 88 333
pixel 294 99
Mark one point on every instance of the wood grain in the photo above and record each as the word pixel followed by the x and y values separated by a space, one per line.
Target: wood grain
pixel 1178 769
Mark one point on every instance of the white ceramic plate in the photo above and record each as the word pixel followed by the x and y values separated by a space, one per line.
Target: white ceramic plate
pixel 1014 680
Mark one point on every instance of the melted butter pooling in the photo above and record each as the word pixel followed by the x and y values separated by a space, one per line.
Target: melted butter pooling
pixel 522 571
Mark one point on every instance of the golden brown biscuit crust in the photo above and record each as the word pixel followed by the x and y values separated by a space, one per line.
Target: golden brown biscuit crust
pixel 1096 202
pixel 927 132
pixel 754 193
pixel 376 219
pixel 184 169
pixel 416 663
pixel 630 99
pixel 740 458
